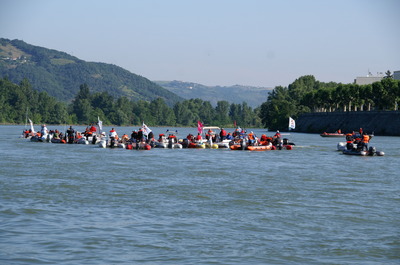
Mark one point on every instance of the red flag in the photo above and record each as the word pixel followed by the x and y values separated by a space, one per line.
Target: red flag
pixel 199 127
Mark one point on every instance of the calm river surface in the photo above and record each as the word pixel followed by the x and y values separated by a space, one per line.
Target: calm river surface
pixel 81 204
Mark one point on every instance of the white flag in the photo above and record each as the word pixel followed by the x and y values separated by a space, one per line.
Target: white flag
pixel 100 123
pixel 146 130
pixel 32 129
pixel 292 123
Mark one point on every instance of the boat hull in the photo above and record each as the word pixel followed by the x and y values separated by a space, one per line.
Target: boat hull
pixel 332 134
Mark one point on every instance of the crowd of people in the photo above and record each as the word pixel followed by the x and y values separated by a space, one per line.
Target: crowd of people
pixel 142 136
pixel 357 141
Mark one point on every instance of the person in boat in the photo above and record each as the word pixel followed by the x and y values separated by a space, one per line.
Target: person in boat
pixel 87 132
pixel 277 139
pixel 358 141
pixel 56 135
pixel 172 138
pixel 222 134
pixel 113 134
pixel 140 136
pixel 161 137
pixel 124 138
pixel 113 137
pixel 150 137
pixel 229 136
pixel 93 129
pixel 339 131
pixel 364 142
pixel 213 137
pixel 235 133
pixel 44 131
pixel 251 138
pixel 70 135
pixel 190 137
pixel 349 141
pixel 134 136
pixel 27 133
pixel 263 138
pixel 199 138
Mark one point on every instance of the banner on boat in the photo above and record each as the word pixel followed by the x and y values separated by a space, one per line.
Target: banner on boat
pixel 199 127
pixel 292 123
pixel 146 130
pixel 32 129
pixel 100 123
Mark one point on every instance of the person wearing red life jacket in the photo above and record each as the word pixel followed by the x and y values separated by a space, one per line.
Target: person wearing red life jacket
pixel 222 134
pixel 93 129
pixel 199 138
pixel 113 137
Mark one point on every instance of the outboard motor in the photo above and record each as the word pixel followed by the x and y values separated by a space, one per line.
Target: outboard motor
pixel 94 139
pixel 372 151
pixel 112 144
pixel 243 144
pixel 285 141
pixel 185 143
pixel 349 146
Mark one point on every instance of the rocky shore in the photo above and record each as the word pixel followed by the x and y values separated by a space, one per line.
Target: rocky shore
pixel 385 123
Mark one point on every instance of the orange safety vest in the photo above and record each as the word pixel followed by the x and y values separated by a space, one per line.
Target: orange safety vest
pixel 366 138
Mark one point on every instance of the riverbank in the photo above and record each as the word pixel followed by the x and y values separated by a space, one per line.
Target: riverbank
pixel 385 123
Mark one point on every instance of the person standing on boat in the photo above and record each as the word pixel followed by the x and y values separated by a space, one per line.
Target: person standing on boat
pixel 199 138
pixel 150 137
pixel 70 135
pixel 365 141
pixel 134 136
pixel 93 129
pixel 349 141
pixel 222 134
pixel 252 138
pixel 44 131
pixel 113 137
pixel 140 135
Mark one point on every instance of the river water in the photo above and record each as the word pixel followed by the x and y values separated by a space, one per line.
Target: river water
pixel 81 204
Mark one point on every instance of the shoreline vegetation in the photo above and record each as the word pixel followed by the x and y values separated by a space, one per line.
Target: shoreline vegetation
pixel 304 97
pixel 22 101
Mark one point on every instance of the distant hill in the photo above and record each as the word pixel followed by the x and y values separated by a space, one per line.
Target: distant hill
pixel 253 96
pixel 60 74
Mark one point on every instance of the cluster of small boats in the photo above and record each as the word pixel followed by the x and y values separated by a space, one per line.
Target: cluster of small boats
pixel 208 138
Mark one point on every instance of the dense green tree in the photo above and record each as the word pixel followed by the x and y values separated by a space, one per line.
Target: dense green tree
pixel 221 113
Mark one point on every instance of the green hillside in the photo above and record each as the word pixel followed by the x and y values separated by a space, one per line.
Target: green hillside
pixel 253 96
pixel 60 74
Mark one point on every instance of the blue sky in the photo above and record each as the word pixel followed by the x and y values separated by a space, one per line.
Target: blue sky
pixel 226 42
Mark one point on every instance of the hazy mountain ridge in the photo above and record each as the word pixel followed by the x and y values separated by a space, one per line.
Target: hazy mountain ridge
pixel 254 96
pixel 60 74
